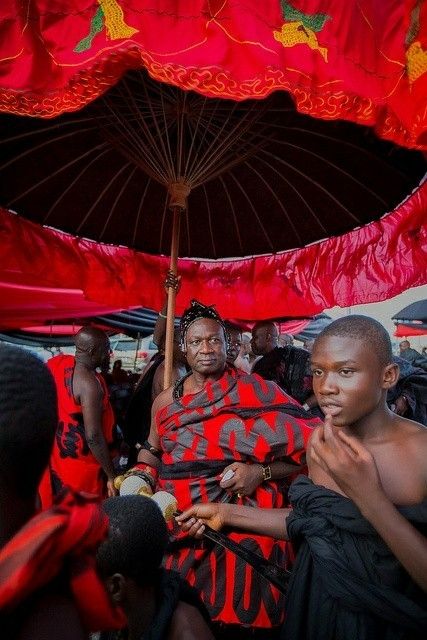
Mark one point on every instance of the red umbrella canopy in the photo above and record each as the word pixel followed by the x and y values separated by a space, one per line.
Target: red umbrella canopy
pixel 360 60
pixel 262 177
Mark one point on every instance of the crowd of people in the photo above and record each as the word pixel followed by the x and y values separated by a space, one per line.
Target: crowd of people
pixel 308 461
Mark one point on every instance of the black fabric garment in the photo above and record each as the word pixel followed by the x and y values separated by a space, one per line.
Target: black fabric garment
pixel 412 384
pixel 415 358
pixel 346 584
pixel 172 590
pixel 136 426
pixel 289 368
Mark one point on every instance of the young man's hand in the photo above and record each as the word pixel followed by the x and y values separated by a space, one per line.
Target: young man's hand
pixel 193 520
pixel 346 461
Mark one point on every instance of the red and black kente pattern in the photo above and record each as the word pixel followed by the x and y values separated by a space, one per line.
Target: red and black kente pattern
pixel 60 541
pixel 237 418
pixel 72 462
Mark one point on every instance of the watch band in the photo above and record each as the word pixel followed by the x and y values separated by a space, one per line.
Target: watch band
pixel 266 472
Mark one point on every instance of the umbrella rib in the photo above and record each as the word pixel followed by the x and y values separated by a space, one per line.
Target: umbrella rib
pixel 160 137
pixel 119 195
pixel 267 237
pixel 230 139
pixel 209 220
pixel 28 134
pixel 314 182
pixel 233 212
pixel 193 136
pixel 138 143
pixel 278 201
pixel 163 222
pixel 139 211
pixel 103 192
pixel 51 175
pixel 315 216
pixel 41 145
pixel 71 185
pixel 169 150
pixel 199 149
pixel 331 164
pixel 343 142
pixel 212 145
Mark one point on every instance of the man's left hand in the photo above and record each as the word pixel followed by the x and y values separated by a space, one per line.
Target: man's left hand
pixel 246 478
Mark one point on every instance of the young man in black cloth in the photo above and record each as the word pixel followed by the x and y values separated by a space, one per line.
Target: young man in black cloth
pixel 360 520
pixel 158 604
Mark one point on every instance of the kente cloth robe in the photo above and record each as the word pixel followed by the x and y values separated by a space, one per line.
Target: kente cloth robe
pixel 57 547
pixel 345 582
pixel 244 418
pixel 72 463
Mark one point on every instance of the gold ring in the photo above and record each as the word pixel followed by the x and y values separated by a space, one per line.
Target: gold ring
pixel 239 495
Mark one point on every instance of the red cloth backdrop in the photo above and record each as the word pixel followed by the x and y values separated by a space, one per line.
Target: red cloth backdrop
pixel 360 60
pixel 368 264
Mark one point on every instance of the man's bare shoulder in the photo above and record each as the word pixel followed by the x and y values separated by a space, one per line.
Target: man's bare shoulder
pixel 163 399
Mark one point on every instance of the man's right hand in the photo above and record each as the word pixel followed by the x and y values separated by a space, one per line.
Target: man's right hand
pixel 193 520
pixel 172 281
pixel 111 489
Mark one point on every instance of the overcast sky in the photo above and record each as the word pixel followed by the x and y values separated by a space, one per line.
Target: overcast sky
pixel 383 311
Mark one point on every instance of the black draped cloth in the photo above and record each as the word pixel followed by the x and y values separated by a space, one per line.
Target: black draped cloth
pixel 346 584
pixel 289 368
pixel 172 590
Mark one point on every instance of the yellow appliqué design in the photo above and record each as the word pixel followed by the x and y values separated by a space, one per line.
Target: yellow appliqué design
pixel 109 16
pixel 301 28
pixel 416 61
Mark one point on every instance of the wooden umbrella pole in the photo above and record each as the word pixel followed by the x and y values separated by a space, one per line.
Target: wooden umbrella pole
pixel 167 380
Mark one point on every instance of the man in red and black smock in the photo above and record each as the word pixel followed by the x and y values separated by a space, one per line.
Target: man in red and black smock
pixel 216 418
pixel 82 451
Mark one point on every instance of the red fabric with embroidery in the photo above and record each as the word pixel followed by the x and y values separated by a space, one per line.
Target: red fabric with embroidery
pixel 61 540
pixel 237 418
pixel 360 60
pixel 72 462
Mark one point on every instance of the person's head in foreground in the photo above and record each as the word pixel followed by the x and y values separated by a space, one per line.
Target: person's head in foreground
pixel 204 340
pixel 129 563
pixel 352 366
pixel 130 558
pixel 28 419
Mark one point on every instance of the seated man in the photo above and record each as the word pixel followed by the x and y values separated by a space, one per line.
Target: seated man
pixel 158 603
pixel 48 585
pixel 360 519
pixel 217 418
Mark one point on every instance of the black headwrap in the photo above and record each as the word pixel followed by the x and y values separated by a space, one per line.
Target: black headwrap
pixel 196 311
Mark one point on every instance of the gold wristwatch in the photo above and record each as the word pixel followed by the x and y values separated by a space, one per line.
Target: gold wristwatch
pixel 266 472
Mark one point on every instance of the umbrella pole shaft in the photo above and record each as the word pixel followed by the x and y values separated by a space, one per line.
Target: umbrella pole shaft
pixel 167 381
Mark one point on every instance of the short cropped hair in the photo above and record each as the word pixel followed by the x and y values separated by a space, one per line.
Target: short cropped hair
pixel 137 539
pixel 266 324
pixel 364 328
pixel 28 419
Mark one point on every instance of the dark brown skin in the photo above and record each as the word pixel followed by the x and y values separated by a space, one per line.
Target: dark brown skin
pixel 363 451
pixel 92 351
pixel 206 355
pixel 139 605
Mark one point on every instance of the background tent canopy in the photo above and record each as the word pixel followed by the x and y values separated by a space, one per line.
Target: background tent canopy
pixel 411 320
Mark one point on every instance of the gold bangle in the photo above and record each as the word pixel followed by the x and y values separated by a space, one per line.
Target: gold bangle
pixel 266 472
